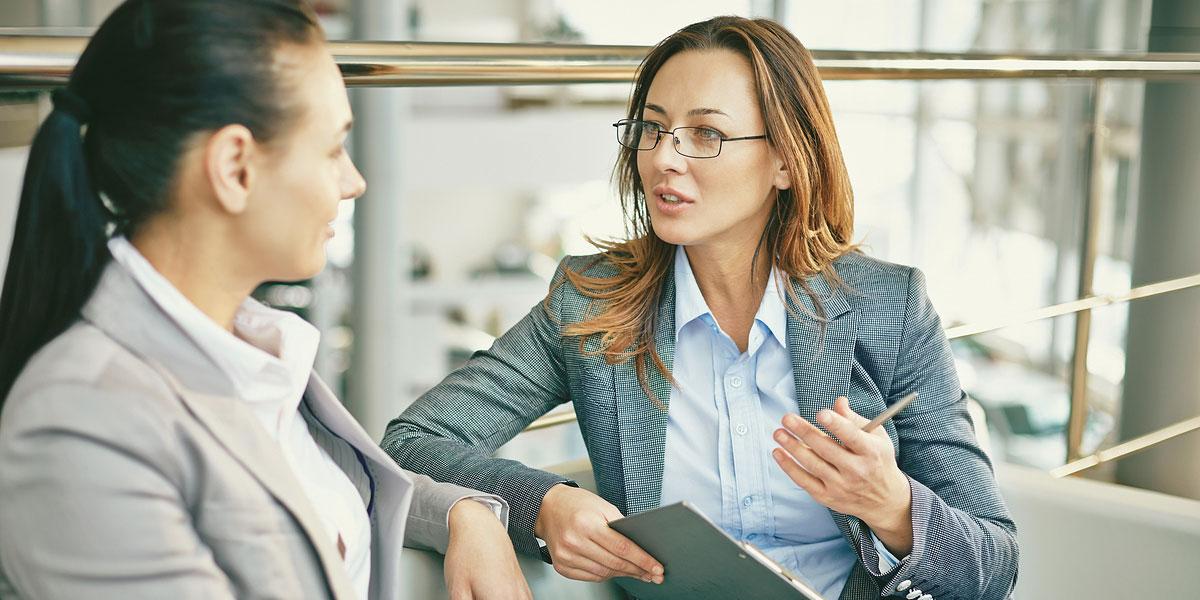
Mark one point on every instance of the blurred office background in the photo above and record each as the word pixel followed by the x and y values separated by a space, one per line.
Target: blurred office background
pixel 475 193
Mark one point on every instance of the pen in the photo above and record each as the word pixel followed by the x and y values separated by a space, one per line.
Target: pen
pixel 889 413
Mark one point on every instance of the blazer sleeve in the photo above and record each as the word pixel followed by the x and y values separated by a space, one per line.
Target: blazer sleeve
pixel 964 541
pixel 450 432
pixel 90 505
pixel 428 523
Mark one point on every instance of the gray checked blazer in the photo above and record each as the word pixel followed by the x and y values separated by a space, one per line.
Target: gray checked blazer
pixel 128 469
pixel 881 341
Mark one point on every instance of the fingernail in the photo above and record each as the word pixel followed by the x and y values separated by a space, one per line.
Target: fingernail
pixel 823 417
pixel 658 580
pixel 780 436
pixel 791 420
pixel 658 570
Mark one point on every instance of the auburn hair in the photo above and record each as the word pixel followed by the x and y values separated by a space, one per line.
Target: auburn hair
pixel 811 224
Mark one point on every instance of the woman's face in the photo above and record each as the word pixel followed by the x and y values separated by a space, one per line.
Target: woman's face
pixel 723 201
pixel 304 175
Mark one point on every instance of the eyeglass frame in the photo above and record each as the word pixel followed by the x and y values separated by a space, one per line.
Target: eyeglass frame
pixel 675 138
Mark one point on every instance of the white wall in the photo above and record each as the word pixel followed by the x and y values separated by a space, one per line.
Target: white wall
pixel 12 169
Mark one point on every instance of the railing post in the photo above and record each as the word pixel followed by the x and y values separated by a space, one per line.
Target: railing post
pixel 375 386
pixel 1087 268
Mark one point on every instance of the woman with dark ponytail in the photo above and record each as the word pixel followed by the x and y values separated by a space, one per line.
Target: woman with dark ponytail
pixel 163 435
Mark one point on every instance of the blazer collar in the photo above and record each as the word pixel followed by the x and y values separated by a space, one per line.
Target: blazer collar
pixel 124 311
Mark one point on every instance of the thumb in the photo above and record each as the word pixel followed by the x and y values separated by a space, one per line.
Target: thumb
pixel 842 407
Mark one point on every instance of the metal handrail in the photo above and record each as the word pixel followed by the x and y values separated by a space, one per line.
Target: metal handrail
pixel 1124 449
pixel 30 62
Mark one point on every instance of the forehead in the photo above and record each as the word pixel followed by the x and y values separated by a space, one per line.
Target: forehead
pixel 317 85
pixel 720 79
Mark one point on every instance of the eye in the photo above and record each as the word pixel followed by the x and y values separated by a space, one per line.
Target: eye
pixel 709 134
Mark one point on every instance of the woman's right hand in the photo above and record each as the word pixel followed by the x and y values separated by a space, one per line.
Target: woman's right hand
pixel 574 524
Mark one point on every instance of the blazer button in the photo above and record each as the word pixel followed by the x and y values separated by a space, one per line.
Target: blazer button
pixel 904 585
pixel 914 594
pixel 925 597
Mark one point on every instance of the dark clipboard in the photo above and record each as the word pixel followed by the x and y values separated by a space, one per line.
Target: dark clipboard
pixel 702 561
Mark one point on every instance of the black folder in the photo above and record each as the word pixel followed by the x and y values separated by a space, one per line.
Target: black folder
pixel 702 561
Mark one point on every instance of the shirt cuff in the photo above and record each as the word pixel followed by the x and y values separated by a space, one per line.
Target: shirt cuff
pixel 497 505
pixel 887 561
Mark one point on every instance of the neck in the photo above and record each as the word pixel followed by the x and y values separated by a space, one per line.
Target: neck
pixel 724 274
pixel 197 265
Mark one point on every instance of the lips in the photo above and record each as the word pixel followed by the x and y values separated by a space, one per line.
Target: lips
pixel 670 195
pixel 670 202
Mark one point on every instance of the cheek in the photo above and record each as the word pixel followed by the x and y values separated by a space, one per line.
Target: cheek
pixel 643 167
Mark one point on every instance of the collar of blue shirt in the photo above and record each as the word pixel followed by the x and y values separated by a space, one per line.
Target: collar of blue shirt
pixel 690 304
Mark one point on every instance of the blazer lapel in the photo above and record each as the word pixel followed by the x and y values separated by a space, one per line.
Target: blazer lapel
pixel 330 411
pixel 234 427
pixel 822 353
pixel 822 358
pixel 392 496
pixel 643 423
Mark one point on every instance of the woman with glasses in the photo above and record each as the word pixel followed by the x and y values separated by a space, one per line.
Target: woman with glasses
pixel 729 352
pixel 164 436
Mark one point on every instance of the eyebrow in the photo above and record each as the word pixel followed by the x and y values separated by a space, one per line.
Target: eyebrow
pixel 695 112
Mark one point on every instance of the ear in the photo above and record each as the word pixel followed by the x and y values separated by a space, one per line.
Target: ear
pixel 783 177
pixel 229 167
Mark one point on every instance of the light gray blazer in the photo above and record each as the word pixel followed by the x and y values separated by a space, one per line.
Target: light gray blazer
pixel 128 469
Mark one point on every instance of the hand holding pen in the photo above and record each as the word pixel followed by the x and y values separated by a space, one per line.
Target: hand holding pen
pixel 854 472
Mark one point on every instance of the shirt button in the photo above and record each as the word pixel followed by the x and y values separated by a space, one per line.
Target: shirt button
pixel 742 429
pixel 904 585
pixel 735 381
pixel 925 597
pixel 914 594
pixel 748 500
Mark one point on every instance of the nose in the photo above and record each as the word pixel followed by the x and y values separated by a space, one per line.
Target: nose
pixel 665 157
pixel 352 184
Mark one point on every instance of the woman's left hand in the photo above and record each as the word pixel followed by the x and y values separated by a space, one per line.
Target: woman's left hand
pixel 480 561
pixel 857 477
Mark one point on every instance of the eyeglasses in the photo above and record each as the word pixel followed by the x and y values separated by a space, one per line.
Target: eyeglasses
pixel 692 142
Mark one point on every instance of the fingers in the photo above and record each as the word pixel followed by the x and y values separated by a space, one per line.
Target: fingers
pixel 619 564
pixel 631 554
pixel 807 458
pixel 601 554
pixel 843 425
pixel 815 487
pixel 822 444
pixel 577 565
pixel 842 407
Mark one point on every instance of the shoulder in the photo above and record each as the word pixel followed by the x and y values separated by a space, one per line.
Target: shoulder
pixel 877 285
pixel 868 274
pixel 564 293
pixel 599 264
pixel 85 383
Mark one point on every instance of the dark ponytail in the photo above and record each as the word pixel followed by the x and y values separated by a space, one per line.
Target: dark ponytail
pixel 155 73
pixel 58 246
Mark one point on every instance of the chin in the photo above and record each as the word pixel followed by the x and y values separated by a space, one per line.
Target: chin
pixel 672 235
pixel 315 267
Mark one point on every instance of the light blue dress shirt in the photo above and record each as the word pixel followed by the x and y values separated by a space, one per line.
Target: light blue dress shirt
pixel 725 405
